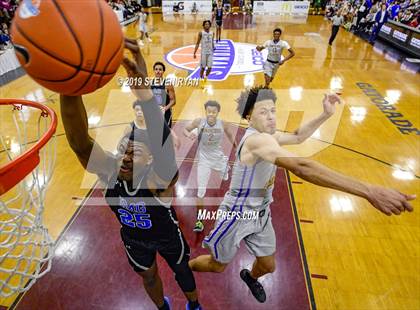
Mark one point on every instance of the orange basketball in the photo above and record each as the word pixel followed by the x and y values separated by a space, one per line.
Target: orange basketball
pixel 70 47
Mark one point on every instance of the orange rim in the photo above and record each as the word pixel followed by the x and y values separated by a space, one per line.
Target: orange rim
pixel 13 172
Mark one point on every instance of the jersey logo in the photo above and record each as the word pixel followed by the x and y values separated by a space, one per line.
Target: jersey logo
pixel 134 214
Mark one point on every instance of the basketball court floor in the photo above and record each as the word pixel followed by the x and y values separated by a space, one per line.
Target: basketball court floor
pixel 334 251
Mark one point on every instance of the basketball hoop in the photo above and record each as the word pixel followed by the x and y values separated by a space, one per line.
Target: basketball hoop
pixel 27 158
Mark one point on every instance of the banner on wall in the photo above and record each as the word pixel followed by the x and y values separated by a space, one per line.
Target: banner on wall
pixel 281 7
pixel 186 6
pixel 401 36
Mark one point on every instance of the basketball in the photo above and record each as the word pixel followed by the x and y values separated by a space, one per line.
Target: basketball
pixel 69 47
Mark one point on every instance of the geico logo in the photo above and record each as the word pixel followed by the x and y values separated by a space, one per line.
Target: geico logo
pixel 301 7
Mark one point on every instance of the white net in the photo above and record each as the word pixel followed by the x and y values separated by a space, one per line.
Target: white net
pixel 26 248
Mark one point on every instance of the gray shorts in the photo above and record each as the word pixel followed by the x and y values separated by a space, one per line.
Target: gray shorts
pixel 270 69
pixel 206 60
pixel 143 28
pixel 224 240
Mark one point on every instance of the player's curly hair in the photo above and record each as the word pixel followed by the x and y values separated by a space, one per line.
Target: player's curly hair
pixel 212 103
pixel 277 30
pixel 250 97
pixel 207 21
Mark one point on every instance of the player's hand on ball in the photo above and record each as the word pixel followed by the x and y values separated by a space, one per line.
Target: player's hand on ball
pixel 136 69
pixel 162 108
pixel 389 201
pixel 329 102
pixel 258 48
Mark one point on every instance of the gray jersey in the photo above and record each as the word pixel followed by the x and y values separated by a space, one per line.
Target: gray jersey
pixel 251 186
pixel 275 49
pixel 210 139
pixel 206 42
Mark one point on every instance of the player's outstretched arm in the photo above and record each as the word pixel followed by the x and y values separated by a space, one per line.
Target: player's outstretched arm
pixel 161 144
pixel 388 201
pixel 190 127
pixel 197 44
pixel 75 121
pixel 306 130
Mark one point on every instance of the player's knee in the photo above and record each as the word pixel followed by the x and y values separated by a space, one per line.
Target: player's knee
pixel 184 277
pixel 150 279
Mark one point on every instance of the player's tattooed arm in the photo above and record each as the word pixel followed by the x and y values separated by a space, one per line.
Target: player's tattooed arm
pixel 197 44
pixel 387 201
pixel 306 130
pixel 90 154
pixel 188 130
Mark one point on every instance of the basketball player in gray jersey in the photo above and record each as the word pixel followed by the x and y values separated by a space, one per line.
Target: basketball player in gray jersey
pixel 275 48
pixel 206 39
pixel 259 153
pixel 211 157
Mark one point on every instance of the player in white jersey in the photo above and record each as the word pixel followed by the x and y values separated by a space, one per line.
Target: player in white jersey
pixel 275 48
pixel 211 157
pixel 143 27
pixel 206 39
pixel 259 153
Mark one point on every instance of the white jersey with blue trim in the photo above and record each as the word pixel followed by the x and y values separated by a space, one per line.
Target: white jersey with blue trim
pixel 250 186
pixel 206 42
pixel 210 139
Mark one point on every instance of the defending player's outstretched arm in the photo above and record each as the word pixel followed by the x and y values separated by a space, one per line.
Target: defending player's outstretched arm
pixel 388 201
pixel 161 144
pixel 306 130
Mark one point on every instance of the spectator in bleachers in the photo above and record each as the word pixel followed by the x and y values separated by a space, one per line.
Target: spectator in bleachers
pixel 381 18
pixel 362 11
pixel 395 9
pixel 415 22
pixel 406 17
pixel 4 39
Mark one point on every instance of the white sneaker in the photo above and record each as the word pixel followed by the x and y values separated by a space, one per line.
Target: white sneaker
pixel 141 42
pixel 148 39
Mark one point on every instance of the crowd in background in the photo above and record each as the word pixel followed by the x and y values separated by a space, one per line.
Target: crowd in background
pixel 7 11
pixel 361 15
pixel 129 8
